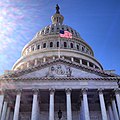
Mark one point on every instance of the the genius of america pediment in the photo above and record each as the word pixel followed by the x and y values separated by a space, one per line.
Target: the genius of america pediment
pixel 59 70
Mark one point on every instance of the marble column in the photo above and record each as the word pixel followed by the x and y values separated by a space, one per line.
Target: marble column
pixel 4 111
pixel 36 62
pixel 11 115
pixel 102 105
pixel 34 115
pixel 51 105
pixel 85 104
pixel 88 64
pixel 117 95
pixel 8 113
pixel 17 105
pixel 115 113
pixel 53 57
pixel 82 111
pixel 1 102
pixel 28 64
pixel 69 109
pixel 44 59
pixel 110 112
pixel 72 59
pixel 80 61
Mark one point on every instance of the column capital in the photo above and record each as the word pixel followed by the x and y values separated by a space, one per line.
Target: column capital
pixel 68 90
pixel 117 90
pixel 100 90
pixel 35 91
pixel 2 92
pixel 52 90
pixel 84 90
pixel 18 91
pixel 6 99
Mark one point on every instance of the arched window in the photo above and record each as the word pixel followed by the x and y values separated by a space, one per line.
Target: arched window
pixel 58 30
pixel 62 28
pixel 87 51
pixel 71 45
pixel 38 46
pixel 51 44
pixel 32 48
pixel 77 47
pixel 76 33
pixel 72 31
pixel 83 49
pixel 67 29
pixel 57 19
pixel 44 45
pixel 47 30
pixel 57 44
pixel 65 44
pixel 42 32
pixel 90 53
pixel 52 30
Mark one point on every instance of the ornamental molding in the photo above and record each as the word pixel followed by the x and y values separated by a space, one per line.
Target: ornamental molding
pixel 54 62
pixel 57 79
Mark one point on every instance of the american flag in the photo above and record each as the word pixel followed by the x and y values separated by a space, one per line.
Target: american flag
pixel 65 34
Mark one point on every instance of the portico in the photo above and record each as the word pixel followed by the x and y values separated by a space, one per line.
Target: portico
pixel 38 103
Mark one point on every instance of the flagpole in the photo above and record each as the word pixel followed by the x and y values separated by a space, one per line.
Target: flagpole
pixel 59 48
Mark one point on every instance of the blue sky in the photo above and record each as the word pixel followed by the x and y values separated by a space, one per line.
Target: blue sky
pixel 97 21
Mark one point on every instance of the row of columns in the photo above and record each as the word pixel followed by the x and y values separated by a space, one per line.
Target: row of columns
pixel 44 60
pixel 114 114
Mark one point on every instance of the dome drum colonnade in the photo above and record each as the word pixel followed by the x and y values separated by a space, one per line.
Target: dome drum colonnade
pixel 84 106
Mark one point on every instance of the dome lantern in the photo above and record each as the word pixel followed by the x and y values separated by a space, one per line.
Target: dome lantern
pixel 57 18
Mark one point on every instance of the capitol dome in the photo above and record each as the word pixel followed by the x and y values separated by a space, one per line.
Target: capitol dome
pixel 47 45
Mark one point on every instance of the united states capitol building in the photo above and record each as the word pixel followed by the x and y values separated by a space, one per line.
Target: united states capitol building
pixel 58 79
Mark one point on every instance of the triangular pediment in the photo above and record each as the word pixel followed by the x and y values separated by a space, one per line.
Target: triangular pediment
pixel 59 68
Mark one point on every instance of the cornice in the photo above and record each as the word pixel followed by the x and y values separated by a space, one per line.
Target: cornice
pixel 59 79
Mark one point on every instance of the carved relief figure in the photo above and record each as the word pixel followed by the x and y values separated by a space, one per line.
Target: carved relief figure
pixel 68 71
pixel 59 70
